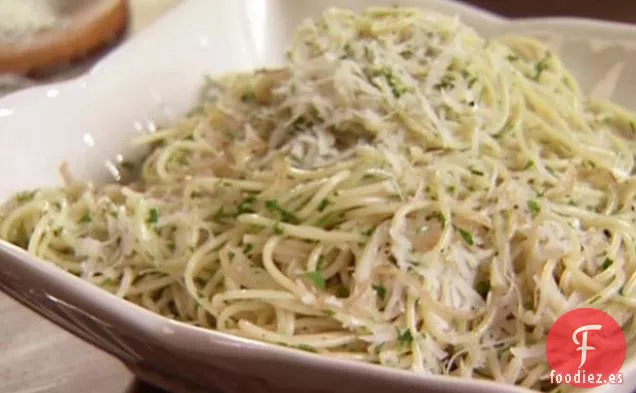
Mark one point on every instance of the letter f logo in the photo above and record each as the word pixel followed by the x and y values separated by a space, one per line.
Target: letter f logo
pixel 583 344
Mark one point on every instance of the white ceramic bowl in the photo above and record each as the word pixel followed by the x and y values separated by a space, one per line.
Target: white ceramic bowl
pixel 153 79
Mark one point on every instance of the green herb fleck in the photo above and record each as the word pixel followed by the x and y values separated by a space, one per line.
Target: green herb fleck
pixel 153 216
pixel 595 299
pixel 248 247
pixel 397 87
pixel 323 205
pixel 534 207
pixel 245 206
pixel 219 214
pixel 632 125
pixel 305 347
pixel 26 196
pixel 405 338
pixel 231 255
pixel 317 279
pixel 447 82
pixel 57 231
pixel 278 230
pixel 329 313
pixel 367 53
pixel 285 215
pixel 502 351
pixel 607 263
pixel 541 66
pixel 529 165
pixel 482 288
pixel 348 51
pixel 380 290
pixel 441 218
pixel 622 291
pixel 86 218
pixel 107 282
pixel 467 236
pixel 476 172
pixel 512 58
pixel 323 221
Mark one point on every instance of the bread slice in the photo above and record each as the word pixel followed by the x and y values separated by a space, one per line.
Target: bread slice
pixel 86 27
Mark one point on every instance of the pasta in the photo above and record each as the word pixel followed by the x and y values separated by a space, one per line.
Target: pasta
pixel 403 192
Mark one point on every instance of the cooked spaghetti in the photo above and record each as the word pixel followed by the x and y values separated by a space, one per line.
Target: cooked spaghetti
pixel 403 192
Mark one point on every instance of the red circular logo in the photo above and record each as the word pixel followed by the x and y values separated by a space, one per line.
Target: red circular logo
pixel 586 348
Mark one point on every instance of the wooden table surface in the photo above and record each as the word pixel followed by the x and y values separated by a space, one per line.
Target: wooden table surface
pixel 38 357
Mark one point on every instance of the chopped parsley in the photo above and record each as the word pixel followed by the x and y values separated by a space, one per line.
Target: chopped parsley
pixel 278 230
pixel 348 51
pixel 107 282
pixel 441 218
pixel 470 79
pixel 541 66
pixel 380 290
pixel 607 263
pixel 248 247
pixel 231 255
pixel 57 231
pixel 86 218
pixel 285 215
pixel 404 338
pixel 482 288
pixel 397 87
pixel 512 58
pixel 323 221
pixel 529 165
pixel 534 207
pixel 305 347
pixel 447 82
pixel 632 125
pixel 367 53
pixel 476 172
pixel 26 196
pixel 246 205
pixel 219 214
pixel 467 236
pixel 153 216
pixel 317 279
pixel 323 205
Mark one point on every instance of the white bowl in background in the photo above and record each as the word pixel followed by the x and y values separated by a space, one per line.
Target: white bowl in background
pixel 152 80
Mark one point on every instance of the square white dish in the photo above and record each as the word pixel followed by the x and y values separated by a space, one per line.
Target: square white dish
pixel 152 80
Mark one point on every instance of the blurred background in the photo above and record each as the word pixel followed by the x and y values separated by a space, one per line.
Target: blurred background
pixel 141 13
pixel 36 356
